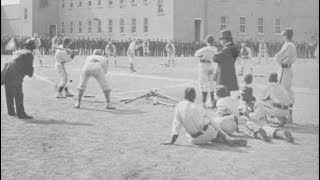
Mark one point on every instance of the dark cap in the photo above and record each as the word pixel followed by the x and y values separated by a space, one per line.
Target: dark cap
pixel 190 93
pixel 288 32
pixel 273 77
pixel 66 40
pixel 222 91
pixel 248 78
pixel 225 34
pixel 30 44
pixel 210 39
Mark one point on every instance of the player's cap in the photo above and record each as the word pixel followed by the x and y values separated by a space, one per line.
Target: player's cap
pixel 190 93
pixel 35 34
pixel 222 91
pixel 30 44
pixel 243 44
pixel 247 91
pixel 273 77
pixel 66 40
pixel 248 78
pixel 96 52
pixel 210 39
pixel 288 32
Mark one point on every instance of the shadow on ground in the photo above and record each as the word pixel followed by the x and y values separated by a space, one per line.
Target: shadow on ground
pixel 216 147
pixel 54 122
pixel 303 129
pixel 116 111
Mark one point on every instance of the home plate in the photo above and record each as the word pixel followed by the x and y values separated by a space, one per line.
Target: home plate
pixel 89 96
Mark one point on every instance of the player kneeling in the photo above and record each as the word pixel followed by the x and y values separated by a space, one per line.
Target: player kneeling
pixel 200 127
pixel 96 66
pixel 274 103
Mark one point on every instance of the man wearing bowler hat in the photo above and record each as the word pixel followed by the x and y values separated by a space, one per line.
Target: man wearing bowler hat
pixel 12 75
pixel 226 58
pixel 285 58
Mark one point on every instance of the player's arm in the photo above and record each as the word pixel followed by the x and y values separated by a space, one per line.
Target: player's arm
pixel 281 55
pixel 176 127
pixel 265 94
pixel 218 58
pixel 199 53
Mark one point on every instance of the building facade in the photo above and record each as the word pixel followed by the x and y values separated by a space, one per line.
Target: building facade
pixel 185 20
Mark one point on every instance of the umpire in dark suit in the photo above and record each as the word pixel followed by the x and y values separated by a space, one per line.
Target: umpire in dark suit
pixel 20 65
pixel 226 58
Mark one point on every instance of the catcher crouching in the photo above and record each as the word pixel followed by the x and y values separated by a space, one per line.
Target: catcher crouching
pixel 95 66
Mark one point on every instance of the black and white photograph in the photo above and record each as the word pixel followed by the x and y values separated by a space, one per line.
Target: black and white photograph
pixel 159 89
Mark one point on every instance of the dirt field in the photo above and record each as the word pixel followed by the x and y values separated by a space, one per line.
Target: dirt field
pixel 94 143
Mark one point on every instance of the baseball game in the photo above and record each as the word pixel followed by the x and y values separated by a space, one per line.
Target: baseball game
pixel 157 98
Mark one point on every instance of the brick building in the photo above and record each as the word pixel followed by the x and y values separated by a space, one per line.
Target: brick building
pixel 185 20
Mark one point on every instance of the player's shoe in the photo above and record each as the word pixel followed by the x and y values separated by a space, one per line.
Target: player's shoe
pixel 59 95
pixel 237 142
pixel 288 136
pixel 77 105
pixel 109 106
pixel 25 116
pixel 68 94
pixel 12 114
pixel 262 134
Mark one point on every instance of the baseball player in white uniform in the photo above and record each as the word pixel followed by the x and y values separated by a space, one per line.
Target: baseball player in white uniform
pixel 263 51
pixel 36 52
pixel 171 51
pixel 62 57
pixel 96 66
pixel 207 70
pixel 246 64
pixel 111 51
pixel 55 43
pixel 200 127
pixel 145 46
pixel 274 102
pixel 285 58
pixel 134 45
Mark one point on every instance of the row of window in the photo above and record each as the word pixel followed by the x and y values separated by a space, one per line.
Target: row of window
pixel 111 2
pixel 110 26
pixel 243 24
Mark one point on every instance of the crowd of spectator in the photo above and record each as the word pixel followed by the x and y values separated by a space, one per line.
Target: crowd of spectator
pixel 85 46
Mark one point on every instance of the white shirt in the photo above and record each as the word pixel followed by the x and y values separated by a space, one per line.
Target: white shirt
pixel 170 50
pixel 133 46
pixel 206 53
pixel 287 54
pixel 190 116
pixel 275 93
pixel 248 50
pixel 62 55
pixel 261 48
pixel 94 58
pixel 227 105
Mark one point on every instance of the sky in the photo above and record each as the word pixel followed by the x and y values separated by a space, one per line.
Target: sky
pixel 6 2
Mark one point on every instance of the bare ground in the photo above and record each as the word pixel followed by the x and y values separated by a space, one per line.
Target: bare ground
pixel 94 143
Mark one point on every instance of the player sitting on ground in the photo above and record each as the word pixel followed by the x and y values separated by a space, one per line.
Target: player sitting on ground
pixel 247 99
pixel 198 124
pixel 95 66
pixel 274 102
pixel 227 106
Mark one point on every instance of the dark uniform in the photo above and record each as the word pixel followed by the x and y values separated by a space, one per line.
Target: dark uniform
pixel 20 65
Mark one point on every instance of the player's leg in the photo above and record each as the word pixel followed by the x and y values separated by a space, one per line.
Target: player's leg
pixel 105 87
pixel 283 135
pixel 84 77
pixel 9 89
pixel 63 79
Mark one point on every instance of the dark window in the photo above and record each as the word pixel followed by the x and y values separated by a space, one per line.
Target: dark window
pixel 25 13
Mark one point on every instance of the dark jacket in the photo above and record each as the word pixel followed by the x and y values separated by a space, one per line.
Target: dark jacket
pixel 19 65
pixel 226 72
